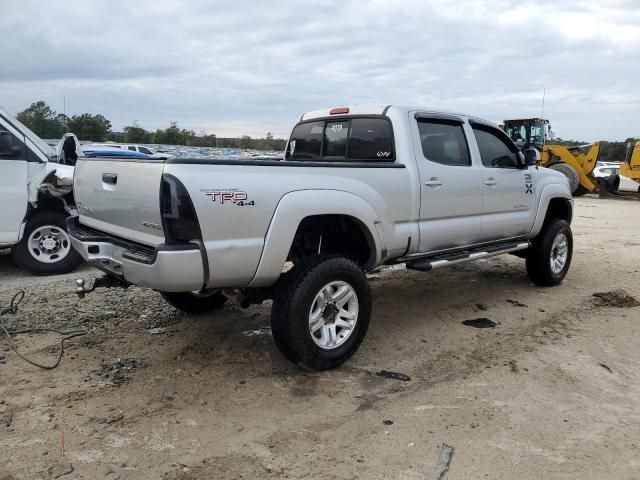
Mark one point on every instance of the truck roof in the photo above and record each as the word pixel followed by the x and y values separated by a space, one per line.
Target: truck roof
pixel 375 109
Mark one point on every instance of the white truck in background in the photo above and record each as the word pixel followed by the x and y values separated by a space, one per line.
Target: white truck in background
pixel 36 183
pixel 358 187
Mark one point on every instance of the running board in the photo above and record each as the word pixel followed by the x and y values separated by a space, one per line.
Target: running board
pixel 429 264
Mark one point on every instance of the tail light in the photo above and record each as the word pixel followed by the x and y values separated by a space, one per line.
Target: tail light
pixel 179 219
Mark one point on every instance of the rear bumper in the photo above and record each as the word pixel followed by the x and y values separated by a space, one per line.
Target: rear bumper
pixel 168 268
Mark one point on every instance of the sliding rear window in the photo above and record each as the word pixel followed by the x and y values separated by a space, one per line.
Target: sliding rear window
pixel 345 139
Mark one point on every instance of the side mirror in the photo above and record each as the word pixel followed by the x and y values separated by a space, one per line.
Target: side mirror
pixel 531 157
pixel 7 148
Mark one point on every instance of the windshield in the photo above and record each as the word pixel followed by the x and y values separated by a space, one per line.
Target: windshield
pixel 42 146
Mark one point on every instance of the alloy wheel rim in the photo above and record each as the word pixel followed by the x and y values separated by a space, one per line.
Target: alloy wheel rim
pixel 49 244
pixel 559 253
pixel 333 315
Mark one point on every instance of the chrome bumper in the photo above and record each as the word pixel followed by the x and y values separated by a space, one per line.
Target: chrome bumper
pixel 168 268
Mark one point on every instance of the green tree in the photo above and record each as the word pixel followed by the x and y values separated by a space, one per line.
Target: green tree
pixel 245 142
pixel 43 120
pixel 89 127
pixel 136 134
pixel 169 136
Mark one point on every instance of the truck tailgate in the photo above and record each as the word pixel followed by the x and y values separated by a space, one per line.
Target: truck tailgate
pixel 120 197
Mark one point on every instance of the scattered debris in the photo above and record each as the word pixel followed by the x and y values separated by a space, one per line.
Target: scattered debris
pixel 7 419
pixel 388 422
pixel 118 370
pixel 107 420
pixel 393 375
pixel 513 365
pixel 482 306
pixel 258 332
pixel 606 367
pixel 157 330
pixel 480 323
pixel 516 303
pixel 616 298
pixel 3 359
pixel 444 459
pixel 60 469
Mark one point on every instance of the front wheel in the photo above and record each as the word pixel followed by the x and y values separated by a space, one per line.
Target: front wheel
pixel 321 312
pixel 45 248
pixel 195 302
pixel 549 257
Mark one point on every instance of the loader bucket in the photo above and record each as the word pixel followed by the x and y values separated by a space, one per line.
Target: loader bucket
pixel 608 186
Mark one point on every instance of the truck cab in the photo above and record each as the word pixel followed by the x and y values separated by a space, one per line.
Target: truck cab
pixel 36 198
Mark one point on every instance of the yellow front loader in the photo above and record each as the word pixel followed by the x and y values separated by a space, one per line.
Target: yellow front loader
pixel 576 163
pixel 631 165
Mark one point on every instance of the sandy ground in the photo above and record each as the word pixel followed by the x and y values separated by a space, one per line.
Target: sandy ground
pixel 552 392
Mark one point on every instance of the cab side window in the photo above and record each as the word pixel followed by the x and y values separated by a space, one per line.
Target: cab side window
pixel 444 142
pixel 495 152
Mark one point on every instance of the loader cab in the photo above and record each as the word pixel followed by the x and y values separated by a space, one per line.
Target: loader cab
pixel 528 132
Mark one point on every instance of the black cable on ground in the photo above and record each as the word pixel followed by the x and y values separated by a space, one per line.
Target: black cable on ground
pixel 13 308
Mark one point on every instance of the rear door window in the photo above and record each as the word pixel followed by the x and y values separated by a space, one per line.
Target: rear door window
pixel 359 139
pixel 444 142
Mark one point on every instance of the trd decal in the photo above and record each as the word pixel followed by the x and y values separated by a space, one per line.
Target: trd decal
pixel 236 197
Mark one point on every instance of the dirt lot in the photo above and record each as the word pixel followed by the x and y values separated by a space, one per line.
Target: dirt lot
pixel 552 392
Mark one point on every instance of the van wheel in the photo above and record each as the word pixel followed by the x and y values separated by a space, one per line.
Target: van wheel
pixel 45 248
pixel 195 302
pixel 321 312
pixel 549 257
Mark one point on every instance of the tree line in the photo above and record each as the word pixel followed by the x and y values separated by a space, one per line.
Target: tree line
pixel 47 123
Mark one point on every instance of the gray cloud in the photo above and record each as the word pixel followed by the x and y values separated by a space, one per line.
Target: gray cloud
pixel 253 67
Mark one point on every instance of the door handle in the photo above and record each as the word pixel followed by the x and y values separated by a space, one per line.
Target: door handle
pixel 111 178
pixel 433 182
pixel 491 182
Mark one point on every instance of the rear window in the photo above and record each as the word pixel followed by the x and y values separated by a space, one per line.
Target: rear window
pixel 342 140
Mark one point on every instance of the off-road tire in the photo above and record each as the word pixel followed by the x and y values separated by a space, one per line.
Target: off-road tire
pixel 194 303
pixel 27 261
pixel 294 298
pixel 540 254
pixel 580 191
pixel 569 172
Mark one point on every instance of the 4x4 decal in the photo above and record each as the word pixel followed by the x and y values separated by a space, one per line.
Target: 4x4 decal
pixel 528 183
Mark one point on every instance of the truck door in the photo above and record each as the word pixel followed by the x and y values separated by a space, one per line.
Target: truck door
pixel 13 182
pixel 508 189
pixel 450 184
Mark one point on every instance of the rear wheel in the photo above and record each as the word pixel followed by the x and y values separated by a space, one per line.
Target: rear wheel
pixel 549 257
pixel 45 248
pixel 195 302
pixel 321 312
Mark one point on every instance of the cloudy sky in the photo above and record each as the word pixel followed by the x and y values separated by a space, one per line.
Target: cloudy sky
pixel 248 67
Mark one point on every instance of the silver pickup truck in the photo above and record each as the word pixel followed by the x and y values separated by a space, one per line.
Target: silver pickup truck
pixel 358 187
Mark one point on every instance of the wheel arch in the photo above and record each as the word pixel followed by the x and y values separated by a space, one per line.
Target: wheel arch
pixel 555 202
pixel 312 209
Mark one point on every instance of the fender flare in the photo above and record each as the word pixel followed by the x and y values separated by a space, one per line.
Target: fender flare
pixel 548 193
pixel 295 207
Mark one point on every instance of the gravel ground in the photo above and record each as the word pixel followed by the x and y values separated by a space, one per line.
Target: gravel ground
pixel 553 391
